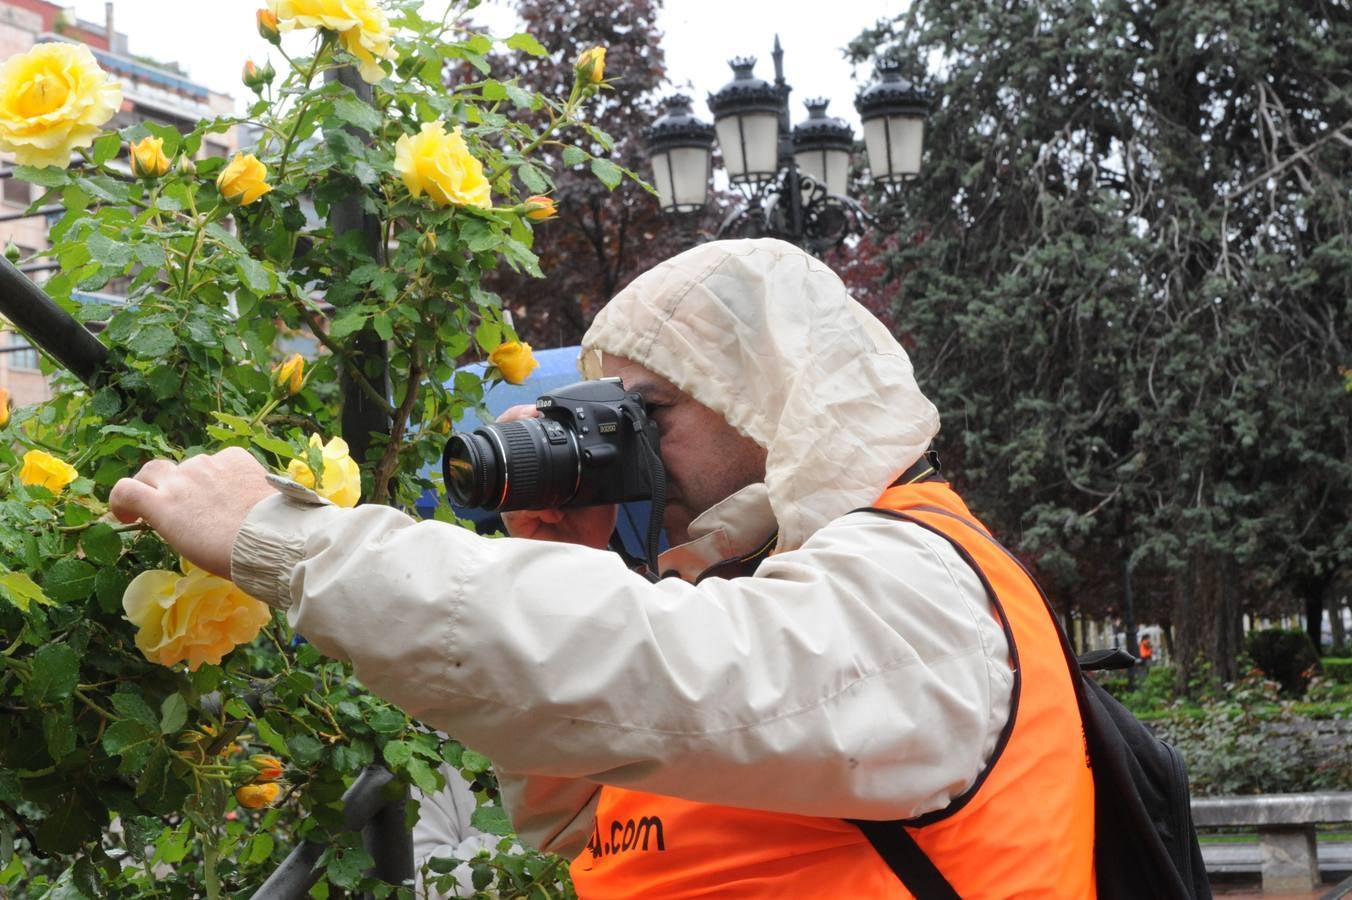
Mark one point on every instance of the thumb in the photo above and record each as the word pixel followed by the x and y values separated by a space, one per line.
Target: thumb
pixel 131 500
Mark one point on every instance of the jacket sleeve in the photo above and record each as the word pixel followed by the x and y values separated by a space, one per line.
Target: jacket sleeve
pixel 861 675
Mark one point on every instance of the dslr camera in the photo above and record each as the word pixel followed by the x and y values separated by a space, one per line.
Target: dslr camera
pixel 593 443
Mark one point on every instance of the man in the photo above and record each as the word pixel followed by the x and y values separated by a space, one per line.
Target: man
pixel 710 734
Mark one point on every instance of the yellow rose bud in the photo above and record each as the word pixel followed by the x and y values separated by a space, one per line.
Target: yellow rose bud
pixel 186 167
pixel 147 158
pixel 269 767
pixel 428 244
pixel 342 477
pixel 514 360
pixel 361 26
pixel 53 99
pixel 244 180
pixel 258 796
pixel 440 165
pixel 591 65
pixel 4 407
pixel 540 208
pixel 41 468
pixel 191 617
pixel 267 26
pixel 290 375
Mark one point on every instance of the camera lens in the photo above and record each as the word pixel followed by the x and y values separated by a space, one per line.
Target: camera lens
pixel 470 468
pixel 525 464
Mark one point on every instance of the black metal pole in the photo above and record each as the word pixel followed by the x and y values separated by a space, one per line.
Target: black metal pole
pixel 386 838
pixel 364 802
pixel 50 327
pixel 786 158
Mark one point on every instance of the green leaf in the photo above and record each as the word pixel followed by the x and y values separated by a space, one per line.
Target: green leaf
pixel 355 112
pixel 107 252
pixel 134 706
pixel 106 147
pixel 492 819
pixel 347 866
pixel 132 741
pixel 152 342
pixel 101 544
pixel 19 589
pixel 481 876
pixel 56 670
pixel 383 326
pixel 488 335
pixel 530 176
pixel 397 754
pixel 254 274
pixel 574 156
pixel 609 173
pixel 271 737
pixel 69 580
pixel 305 750
pixel 58 730
pixel 474 762
pixel 109 586
pixel 388 721
pixel 526 44
pixel 48 177
pixel 347 322
pixel 424 776
pixel 258 849
pixel 173 713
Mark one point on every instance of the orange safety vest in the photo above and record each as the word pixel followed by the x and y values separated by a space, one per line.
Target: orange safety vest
pixel 1025 829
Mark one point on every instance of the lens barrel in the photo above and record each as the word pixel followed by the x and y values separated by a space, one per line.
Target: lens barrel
pixel 530 463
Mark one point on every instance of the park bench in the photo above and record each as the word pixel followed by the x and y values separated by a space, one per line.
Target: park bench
pixel 1286 831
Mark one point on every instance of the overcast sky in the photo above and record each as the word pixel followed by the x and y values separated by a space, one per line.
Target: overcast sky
pixel 212 38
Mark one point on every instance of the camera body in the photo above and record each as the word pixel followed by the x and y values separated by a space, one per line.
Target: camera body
pixel 592 444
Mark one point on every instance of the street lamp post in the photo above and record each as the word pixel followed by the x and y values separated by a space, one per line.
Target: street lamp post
pixel 793 180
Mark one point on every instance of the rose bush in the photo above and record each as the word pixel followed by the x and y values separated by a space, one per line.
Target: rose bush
pixel 150 710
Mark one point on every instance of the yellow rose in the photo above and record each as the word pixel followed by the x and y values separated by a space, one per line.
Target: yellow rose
pixel 342 477
pixel 193 617
pixel 244 180
pixel 361 25
pixel 269 767
pixel 440 164
pixel 540 208
pixel 267 26
pixel 147 158
pixel 290 375
pixel 514 360
pixel 258 796
pixel 53 99
pixel 591 65
pixel 46 470
pixel 4 407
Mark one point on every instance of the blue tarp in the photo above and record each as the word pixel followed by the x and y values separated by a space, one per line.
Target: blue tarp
pixel 558 367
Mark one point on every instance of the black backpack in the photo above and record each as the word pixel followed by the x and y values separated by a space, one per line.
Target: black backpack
pixel 1145 844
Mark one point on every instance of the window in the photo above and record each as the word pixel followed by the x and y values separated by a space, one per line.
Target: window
pixel 17 192
pixel 19 354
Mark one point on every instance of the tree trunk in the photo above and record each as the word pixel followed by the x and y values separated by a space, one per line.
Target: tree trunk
pixel 1333 602
pixel 1210 623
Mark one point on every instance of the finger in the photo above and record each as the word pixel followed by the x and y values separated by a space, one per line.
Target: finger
pixel 154 472
pixel 521 411
pixel 131 499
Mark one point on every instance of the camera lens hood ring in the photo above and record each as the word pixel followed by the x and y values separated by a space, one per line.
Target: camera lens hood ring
pixel 506 469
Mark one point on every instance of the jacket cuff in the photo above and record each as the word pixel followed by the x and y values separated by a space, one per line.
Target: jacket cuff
pixel 271 543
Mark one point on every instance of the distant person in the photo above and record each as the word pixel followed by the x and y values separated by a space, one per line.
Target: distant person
pixel 1147 650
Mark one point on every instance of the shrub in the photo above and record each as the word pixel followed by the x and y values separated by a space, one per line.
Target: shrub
pixel 1337 669
pixel 1285 655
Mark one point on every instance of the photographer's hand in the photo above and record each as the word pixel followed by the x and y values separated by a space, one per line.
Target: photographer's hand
pixel 590 526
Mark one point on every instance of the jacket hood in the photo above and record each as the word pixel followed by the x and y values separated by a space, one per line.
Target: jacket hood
pixel 767 336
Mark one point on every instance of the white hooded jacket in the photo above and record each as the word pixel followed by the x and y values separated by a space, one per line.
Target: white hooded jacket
pixel 860 673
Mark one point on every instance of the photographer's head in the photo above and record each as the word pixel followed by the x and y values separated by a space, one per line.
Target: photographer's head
pixel 781 368
pixel 706 459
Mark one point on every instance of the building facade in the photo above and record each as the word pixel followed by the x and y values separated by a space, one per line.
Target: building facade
pixel 153 91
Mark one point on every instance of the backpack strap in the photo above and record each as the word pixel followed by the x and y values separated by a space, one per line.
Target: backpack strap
pixel 908 862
